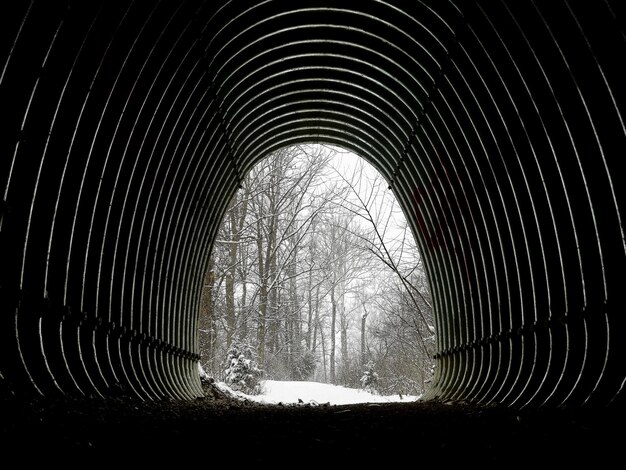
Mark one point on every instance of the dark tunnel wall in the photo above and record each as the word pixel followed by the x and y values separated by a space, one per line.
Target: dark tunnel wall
pixel 127 127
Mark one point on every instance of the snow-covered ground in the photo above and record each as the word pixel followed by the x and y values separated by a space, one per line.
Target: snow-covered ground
pixel 315 393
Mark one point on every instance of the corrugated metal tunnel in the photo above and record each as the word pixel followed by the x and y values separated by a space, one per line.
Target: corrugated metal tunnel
pixel 499 126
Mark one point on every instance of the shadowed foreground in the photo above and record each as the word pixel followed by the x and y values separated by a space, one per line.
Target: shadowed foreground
pixel 235 432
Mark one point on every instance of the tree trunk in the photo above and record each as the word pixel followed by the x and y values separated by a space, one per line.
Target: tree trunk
pixel 230 306
pixel 316 316
pixel 343 325
pixel 321 330
pixel 333 319
pixel 262 315
pixel 243 320
pixel 363 321
pixel 309 319
pixel 295 319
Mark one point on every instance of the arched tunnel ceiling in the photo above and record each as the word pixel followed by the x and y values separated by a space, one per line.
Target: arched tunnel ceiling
pixel 127 127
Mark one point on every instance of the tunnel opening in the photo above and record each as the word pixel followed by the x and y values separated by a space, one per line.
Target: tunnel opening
pixel 315 277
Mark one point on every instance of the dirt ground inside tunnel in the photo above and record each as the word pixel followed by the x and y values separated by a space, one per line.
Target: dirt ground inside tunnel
pixel 219 430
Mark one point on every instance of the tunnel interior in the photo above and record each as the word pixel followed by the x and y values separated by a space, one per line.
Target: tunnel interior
pixel 498 125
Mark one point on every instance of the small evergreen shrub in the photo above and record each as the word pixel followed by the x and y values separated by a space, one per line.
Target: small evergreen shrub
pixel 242 373
pixel 369 379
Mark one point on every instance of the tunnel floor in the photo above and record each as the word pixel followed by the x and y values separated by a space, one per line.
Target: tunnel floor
pixel 236 432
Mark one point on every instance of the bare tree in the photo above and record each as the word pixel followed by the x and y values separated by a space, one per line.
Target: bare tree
pixel 387 243
pixel 291 274
pixel 266 232
pixel 232 231
pixel 345 267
